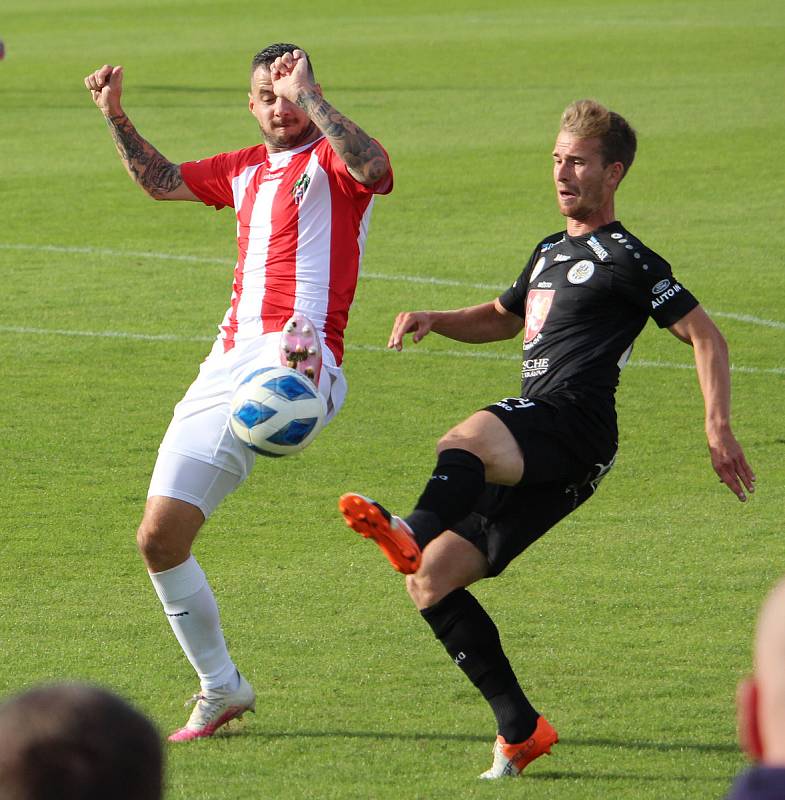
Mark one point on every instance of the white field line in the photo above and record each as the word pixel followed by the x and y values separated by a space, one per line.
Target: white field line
pixel 101 251
pixel 367 348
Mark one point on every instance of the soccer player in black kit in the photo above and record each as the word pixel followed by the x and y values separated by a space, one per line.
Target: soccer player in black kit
pixel 511 471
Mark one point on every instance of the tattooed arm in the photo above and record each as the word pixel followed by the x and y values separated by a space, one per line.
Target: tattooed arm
pixel 155 174
pixel 364 157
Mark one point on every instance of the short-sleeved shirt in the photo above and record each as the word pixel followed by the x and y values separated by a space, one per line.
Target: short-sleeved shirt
pixel 302 221
pixel 584 300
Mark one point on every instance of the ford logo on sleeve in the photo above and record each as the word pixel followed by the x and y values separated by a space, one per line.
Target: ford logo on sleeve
pixel 661 286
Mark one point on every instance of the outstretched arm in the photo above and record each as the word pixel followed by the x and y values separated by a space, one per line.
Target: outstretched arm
pixel 364 157
pixel 711 362
pixel 488 322
pixel 156 175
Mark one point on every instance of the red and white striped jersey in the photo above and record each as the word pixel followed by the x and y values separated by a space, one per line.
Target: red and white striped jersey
pixel 302 220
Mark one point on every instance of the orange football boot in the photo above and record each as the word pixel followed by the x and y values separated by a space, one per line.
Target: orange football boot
pixel 510 759
pixel 391 533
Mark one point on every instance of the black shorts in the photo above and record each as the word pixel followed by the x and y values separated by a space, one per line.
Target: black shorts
pixel 564 458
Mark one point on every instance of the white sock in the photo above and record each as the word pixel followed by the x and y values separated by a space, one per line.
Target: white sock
pixel 193 614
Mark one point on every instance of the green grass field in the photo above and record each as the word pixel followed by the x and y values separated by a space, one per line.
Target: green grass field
pixel 629 624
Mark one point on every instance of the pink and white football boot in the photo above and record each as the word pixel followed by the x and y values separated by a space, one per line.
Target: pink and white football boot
pixel 215 708
pixel 301 348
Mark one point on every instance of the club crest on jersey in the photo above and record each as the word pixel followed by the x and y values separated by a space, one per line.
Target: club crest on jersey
pixel 581 272
pixel 301 187
pixel 538 306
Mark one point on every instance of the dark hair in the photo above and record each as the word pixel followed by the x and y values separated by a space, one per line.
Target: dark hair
pixel 77 742
pixel 587 119
pixel 266 56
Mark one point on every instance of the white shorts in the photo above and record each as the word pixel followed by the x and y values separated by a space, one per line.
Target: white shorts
pixel 200 460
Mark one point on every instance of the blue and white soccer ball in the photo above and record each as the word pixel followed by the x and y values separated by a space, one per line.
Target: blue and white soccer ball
pixel 277 411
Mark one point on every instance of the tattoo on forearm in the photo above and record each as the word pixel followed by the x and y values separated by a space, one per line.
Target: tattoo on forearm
pixel 363 156
pixel 154 173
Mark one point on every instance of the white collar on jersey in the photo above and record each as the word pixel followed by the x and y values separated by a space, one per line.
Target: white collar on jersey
pixel 282 156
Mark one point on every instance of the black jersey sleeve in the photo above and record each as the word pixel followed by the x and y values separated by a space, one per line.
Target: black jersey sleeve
pixel 514 298
pixel 648 282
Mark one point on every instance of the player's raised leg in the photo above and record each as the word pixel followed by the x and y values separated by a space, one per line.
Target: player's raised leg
pixel 479 447
pixel 168 529
pixel 301 348
pixel 478 450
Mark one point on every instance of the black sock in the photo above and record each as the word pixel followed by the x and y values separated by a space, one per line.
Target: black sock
pixel 471 638
pixel 451 493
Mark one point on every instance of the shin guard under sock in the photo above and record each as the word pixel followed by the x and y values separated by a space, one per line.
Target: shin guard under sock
pixel 451 493
pixel 192 612
pixel 471 638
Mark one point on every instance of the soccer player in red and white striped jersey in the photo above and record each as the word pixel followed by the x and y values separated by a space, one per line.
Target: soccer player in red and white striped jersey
pixel 302 201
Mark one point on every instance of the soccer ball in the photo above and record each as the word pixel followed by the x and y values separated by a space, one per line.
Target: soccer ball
pixel 277 411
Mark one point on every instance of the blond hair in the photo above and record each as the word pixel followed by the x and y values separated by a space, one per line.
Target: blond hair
pixel 588 119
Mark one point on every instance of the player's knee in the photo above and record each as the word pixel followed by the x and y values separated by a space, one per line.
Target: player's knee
pixel 457 439
pixel 415 588
pixel 145 540
pixel 153 544
pixel 424 590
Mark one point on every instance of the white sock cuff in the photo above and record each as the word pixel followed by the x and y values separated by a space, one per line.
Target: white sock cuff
pixel 179 582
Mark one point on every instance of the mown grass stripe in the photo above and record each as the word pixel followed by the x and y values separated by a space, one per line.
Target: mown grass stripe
pixel 417 279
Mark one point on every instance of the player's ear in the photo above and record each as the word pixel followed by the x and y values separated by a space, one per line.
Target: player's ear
pixel 615 173
pixel 747 719
pixel 250 102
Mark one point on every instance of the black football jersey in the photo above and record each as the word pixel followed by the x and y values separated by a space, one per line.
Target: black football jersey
pixel 584 300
